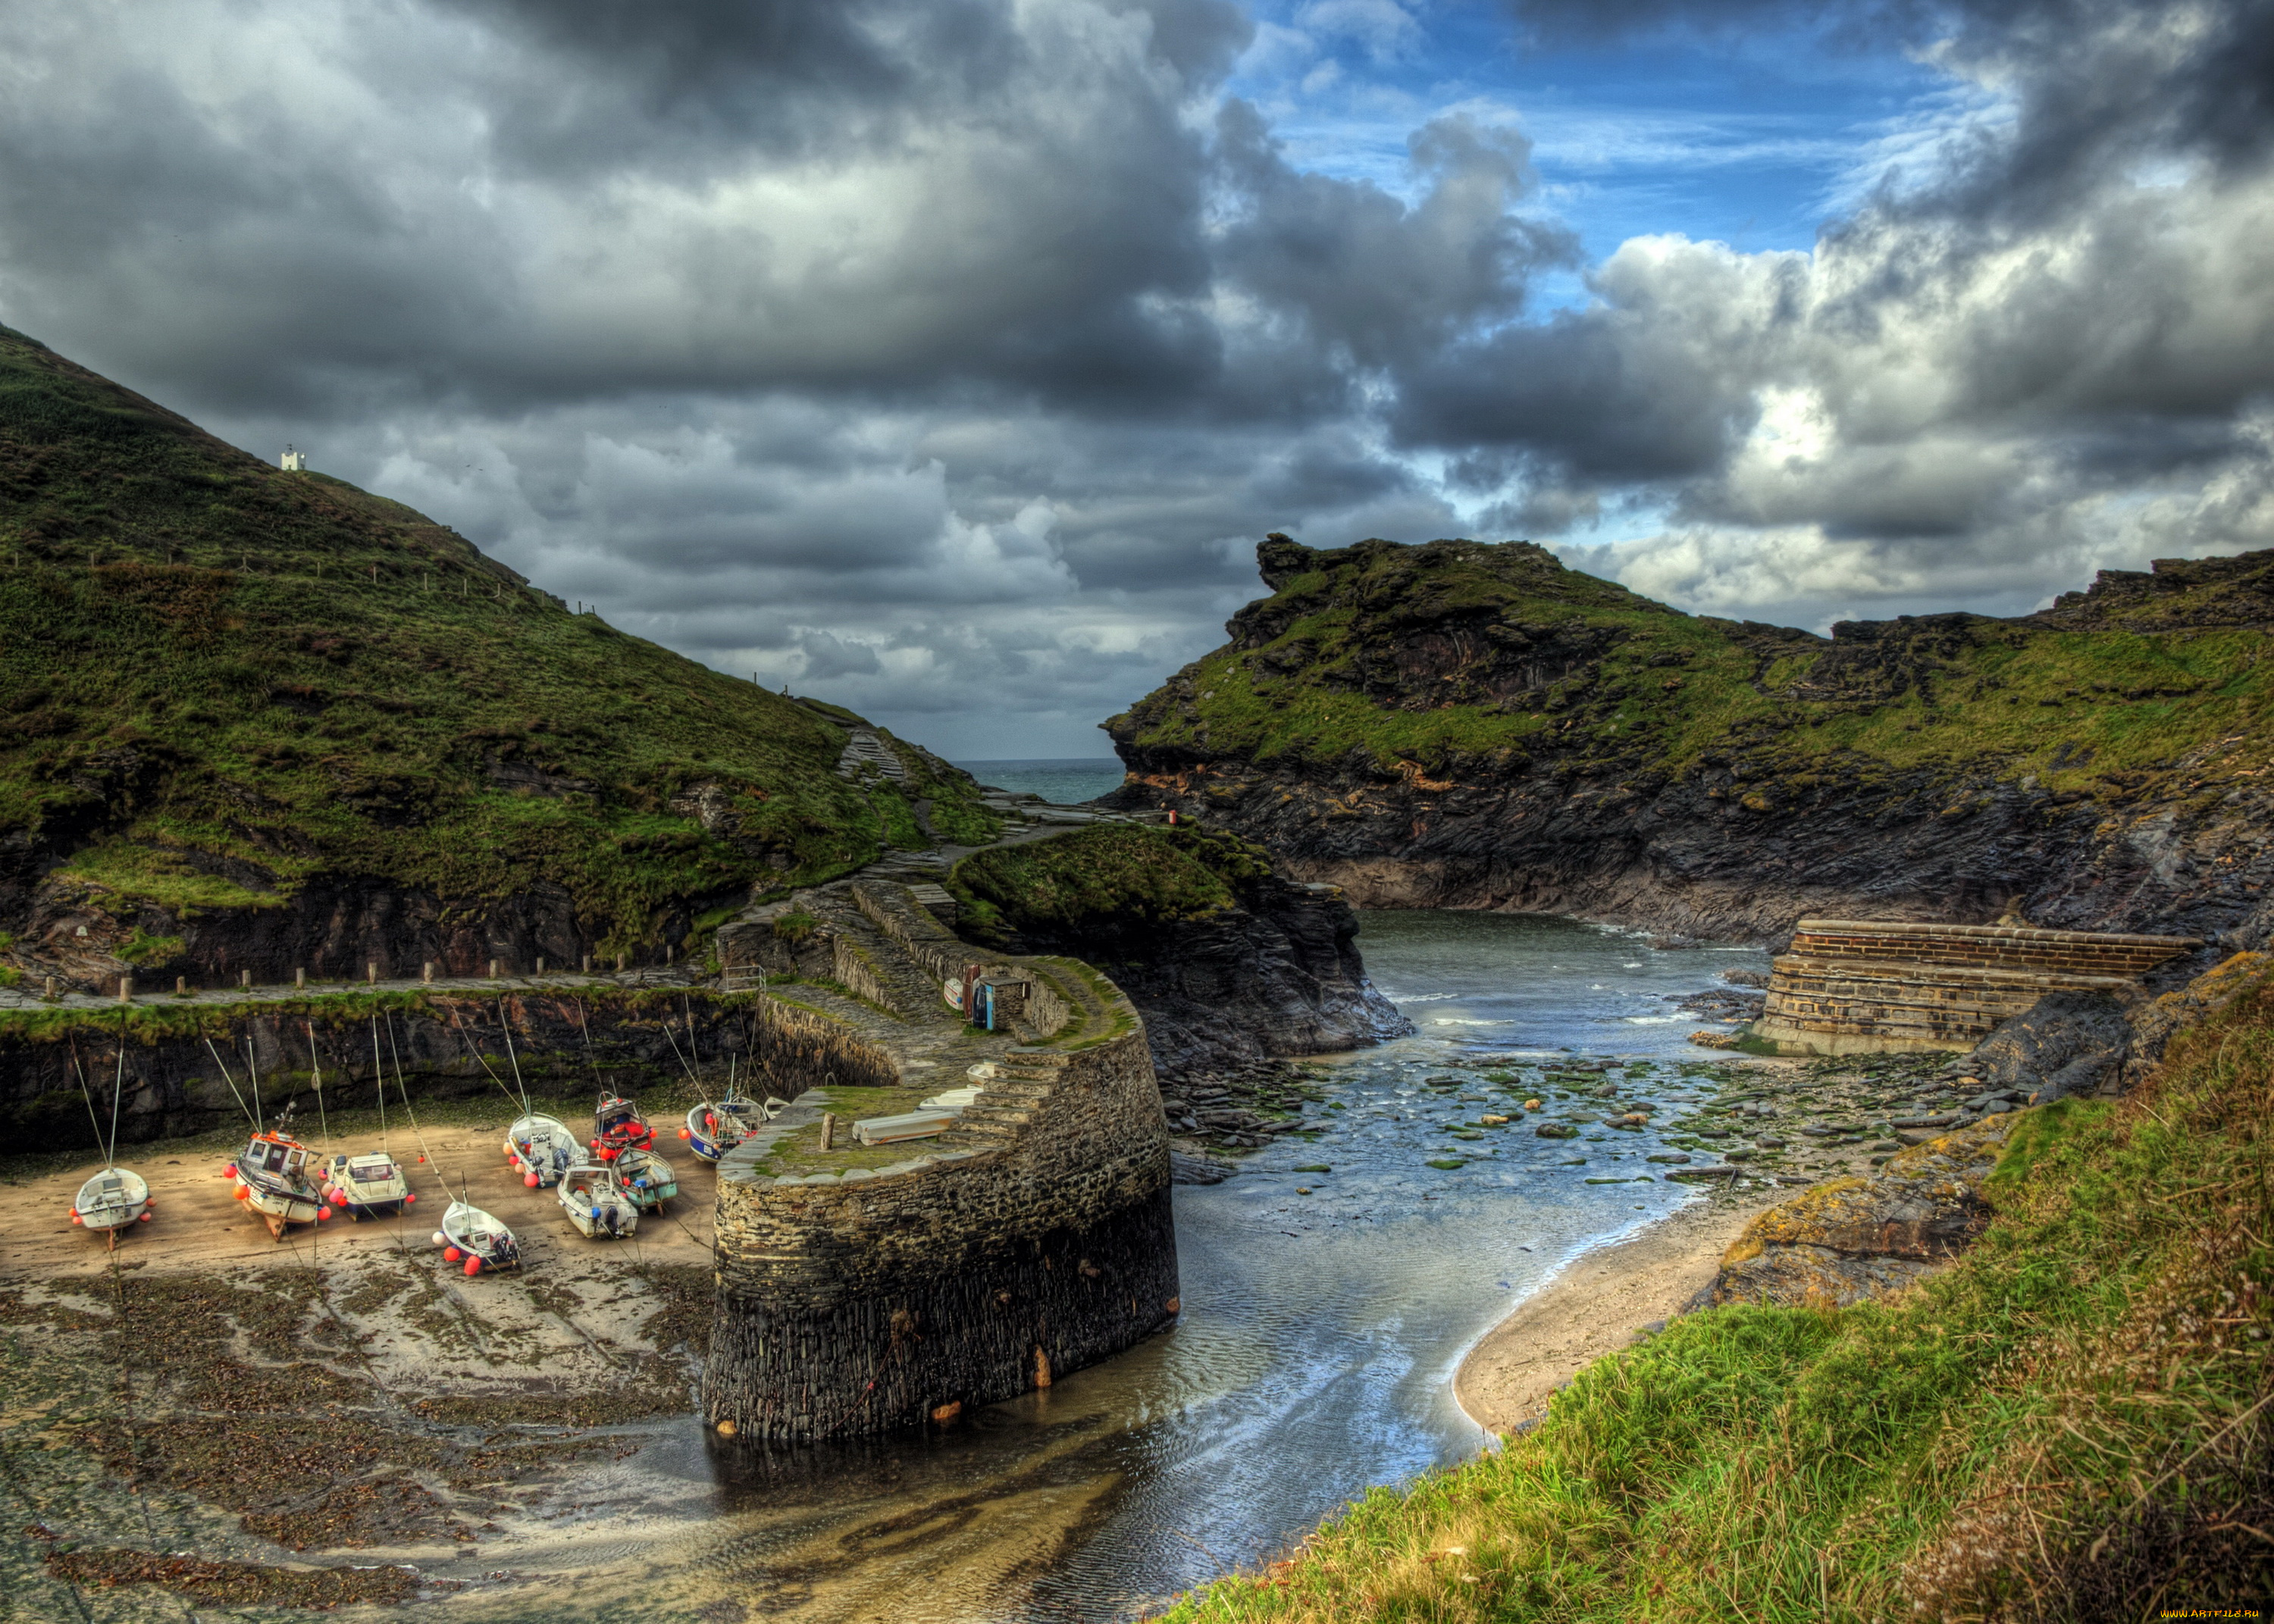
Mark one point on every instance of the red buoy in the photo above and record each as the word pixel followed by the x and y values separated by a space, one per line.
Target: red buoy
pixel 451 1255
pixel 229 1171
pixel 473 1267
pixel 323 1213
pixel 408 1200
pixel 243 1194
pixel 685 1134
pixel 339 1198
pixel 145 1218
pixel 530 1179
pixel 75 1217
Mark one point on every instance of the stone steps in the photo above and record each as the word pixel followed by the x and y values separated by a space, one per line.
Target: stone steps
pixel 864 749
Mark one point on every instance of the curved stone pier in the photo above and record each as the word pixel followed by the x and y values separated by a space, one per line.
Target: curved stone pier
pixel 1033 1239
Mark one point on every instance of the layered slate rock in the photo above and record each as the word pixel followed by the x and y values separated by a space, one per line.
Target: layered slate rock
pixel 1459 724
pixel 1854 1239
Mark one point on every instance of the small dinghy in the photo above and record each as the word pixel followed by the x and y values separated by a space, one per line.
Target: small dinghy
pixel 618 1126
pixel 371 1186
pixel 114 1197
pixel 648 1178
pixel 540 1149
pixel 472 1237
pixel 716 1126
pixel 110 1201
pixel 597 1202
pixel 271 1175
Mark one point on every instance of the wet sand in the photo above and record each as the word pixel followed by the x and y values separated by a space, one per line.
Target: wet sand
pixel 1595 1306
pixel 199 1224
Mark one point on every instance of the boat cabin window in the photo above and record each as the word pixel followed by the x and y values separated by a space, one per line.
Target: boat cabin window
pixel 370 1175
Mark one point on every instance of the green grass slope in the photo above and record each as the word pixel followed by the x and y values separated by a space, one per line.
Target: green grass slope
pixel 2074 1422
pixel 1461 658
pixel 222 685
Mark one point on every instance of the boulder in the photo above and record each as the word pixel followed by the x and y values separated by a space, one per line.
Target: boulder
pixel 2065 1044
pixel 1852 1239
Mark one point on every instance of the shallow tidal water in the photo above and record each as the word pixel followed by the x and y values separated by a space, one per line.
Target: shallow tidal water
pixel 1314 1358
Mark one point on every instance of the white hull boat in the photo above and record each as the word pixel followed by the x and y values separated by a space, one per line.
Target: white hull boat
pixel 541 1149
pixel 471 1237
pixel 371 1186
pixel 272 1176
pixel 597 1202
pixel 648 1178
pixel 112 1200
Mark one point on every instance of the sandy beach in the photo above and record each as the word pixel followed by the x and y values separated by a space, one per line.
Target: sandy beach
pixel 1595 1306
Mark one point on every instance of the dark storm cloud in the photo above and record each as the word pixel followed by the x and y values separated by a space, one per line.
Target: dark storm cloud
pixel 514 206
pixel 1369 276
pixel 911 348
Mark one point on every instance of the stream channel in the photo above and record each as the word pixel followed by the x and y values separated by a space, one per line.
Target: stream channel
pixel 1314 1358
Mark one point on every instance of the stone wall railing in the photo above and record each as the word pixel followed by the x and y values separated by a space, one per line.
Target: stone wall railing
pixel 1027 999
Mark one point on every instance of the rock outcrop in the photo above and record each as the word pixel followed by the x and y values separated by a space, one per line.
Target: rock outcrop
pixel 1852 1239
pixel 1463 726
pixel 1271 971
pixel 1277 975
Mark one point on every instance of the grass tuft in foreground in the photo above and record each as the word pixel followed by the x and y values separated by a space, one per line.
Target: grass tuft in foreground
pixel 2072 1423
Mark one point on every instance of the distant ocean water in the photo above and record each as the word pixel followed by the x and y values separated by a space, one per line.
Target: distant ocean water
pixel 1065 781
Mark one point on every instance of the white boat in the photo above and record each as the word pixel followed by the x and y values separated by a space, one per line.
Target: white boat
pixel 371 1186
pixel 111 1201
pixel 472 1237
pixel 594 1197
pixel 114 1197
pixel 541 1149
pixel 273 1177
pixel 648 1177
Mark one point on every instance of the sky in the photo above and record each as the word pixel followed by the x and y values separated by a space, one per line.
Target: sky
pixel 947 358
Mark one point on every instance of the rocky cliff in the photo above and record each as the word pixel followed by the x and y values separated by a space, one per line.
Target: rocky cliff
pixel 1471 725
pixel 1230 963
pixel 253 720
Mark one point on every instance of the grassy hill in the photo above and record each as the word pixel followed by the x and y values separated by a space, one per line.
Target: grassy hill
pixel 254 715
pixel 1455 705
pixel 1455 653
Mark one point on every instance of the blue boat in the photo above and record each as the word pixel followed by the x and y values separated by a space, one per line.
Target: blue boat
pixel 716 1126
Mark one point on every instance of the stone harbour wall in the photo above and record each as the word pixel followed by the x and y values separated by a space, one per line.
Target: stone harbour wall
pixel 1850 986
pixel 445 1041
pixel 986 1263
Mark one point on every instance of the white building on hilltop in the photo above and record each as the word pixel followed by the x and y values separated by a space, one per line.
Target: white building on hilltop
pixel 293 462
